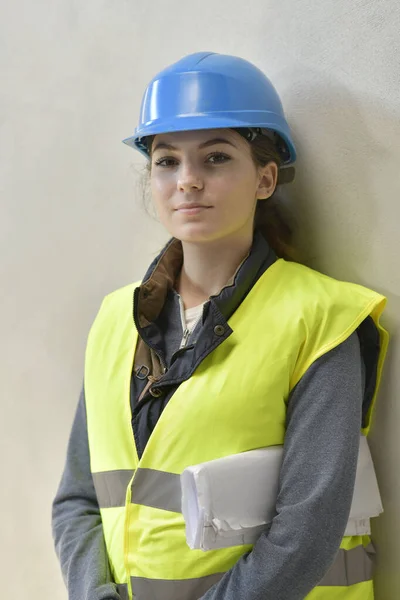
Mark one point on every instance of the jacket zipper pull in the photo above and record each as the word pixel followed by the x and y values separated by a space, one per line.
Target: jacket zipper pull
pixel 184 339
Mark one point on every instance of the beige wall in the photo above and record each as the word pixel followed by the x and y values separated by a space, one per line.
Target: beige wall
pixel 73 228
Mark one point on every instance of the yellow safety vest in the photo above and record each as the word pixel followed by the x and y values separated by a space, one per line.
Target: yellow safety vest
pixel 291 317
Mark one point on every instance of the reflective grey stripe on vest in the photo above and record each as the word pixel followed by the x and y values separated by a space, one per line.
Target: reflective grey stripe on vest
pixel 111 487
pixel 157 489
pixel 122 590
pixel 172 589
pixel 350 567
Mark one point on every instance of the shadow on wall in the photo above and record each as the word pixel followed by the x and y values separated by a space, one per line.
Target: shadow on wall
pixel 345 202
pixel 345 145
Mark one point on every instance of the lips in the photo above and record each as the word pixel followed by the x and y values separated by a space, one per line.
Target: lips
pixel 191 209
pixel 190 206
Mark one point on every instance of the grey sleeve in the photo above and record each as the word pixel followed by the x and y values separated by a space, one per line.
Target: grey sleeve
pixel 315 488
pixel 76 522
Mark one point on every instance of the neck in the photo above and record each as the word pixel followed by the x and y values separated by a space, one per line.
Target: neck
pixel 208 267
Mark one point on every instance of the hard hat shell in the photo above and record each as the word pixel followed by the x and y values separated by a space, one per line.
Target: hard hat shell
pixel 206 90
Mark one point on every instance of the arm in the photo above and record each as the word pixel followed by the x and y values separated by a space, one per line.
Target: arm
pixel 315 488
pixel 76 522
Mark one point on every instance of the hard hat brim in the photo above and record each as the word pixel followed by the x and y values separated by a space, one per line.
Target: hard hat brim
pixel 199 122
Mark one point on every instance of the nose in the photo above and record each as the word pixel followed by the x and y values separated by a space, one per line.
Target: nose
pixel 189 178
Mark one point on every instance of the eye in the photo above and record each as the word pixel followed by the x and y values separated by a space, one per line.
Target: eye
pixel 219 156
pixel 214 158
pixel 161 161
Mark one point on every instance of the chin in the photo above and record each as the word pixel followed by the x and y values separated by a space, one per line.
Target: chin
pixel 194 239
pixel 196 235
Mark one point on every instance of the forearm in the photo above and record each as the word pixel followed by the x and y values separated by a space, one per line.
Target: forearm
pixel 76 523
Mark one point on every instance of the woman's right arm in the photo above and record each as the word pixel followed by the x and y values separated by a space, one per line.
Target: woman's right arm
pixel 76 522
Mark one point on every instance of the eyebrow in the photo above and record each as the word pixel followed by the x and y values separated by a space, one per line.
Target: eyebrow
pixel 164 146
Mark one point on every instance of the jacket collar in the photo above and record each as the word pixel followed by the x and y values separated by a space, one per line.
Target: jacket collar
pixel 162 273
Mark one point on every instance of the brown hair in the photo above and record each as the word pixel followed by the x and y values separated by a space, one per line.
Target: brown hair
pixel 272 219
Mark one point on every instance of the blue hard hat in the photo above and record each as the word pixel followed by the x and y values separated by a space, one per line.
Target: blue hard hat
pixel 207 90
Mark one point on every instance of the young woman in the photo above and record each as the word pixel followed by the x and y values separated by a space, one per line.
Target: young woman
pixel 227 345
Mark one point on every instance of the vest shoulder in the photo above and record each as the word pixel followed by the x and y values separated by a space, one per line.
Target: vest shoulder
pixel 117 303
pixel 311 280
pixel 121 294
pixel 116 307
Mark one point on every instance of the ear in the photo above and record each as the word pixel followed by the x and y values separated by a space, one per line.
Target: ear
pixel 268 178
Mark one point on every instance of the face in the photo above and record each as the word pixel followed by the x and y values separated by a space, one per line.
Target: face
pixel 205 184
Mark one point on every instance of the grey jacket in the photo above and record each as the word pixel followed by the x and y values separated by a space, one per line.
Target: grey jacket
pixel 324 415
